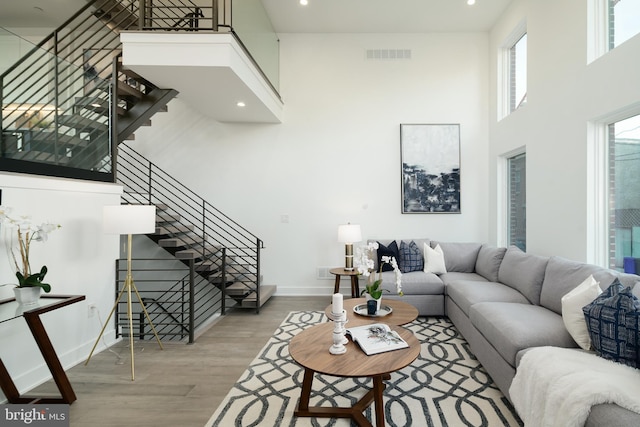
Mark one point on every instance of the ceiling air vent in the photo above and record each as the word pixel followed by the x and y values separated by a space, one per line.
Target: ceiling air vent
pixel 388 54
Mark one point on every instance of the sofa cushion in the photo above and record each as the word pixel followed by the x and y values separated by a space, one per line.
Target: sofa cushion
pixel 523 272
pixel 391 251
pixel 488 262
pixel 562 275
pixel 460 257
pixel 450 277
pixel 414 283
pixel 509 327
pixel 612 320
pixel 572 314
pixel 434 260
pixel 465 293
pixel 411 257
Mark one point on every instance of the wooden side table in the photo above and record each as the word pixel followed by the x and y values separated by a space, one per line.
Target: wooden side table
pixel 310 349
pixel 9 310
pixel 353 274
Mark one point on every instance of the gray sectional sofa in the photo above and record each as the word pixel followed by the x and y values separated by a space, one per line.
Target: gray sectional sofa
pixel 504 301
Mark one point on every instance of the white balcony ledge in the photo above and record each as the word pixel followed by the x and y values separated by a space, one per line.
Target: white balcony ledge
pixel 211 72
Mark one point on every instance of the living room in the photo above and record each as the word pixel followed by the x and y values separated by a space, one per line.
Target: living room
pixel 335 158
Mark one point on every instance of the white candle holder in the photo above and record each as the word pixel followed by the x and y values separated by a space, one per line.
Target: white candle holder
pixel 339 338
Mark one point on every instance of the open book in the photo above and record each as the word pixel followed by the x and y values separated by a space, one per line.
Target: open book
pixel 376 338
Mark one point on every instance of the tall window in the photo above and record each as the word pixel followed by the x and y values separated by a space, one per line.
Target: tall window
pixel 512 71
pixel 518 73
pixel 623 21
pixel 624 191
pixel 517 201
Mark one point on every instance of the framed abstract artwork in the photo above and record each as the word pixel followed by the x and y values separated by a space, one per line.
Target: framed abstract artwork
pixel 430 158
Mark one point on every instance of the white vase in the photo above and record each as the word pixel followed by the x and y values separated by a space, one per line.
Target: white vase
pixel 27 296
pixel 379 300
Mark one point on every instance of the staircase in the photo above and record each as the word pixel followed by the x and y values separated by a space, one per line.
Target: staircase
pixel 70 103
pixel 191 229
pixel 70 98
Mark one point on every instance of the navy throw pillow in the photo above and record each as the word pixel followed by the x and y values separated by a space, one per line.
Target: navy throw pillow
pixel 410 257
pixel 612 321
pixel 392 251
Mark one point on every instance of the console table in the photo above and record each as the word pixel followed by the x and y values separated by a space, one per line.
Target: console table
pixel 9 310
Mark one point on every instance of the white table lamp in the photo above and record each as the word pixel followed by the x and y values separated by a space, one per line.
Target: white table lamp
pixel 349 234
pixel 128 220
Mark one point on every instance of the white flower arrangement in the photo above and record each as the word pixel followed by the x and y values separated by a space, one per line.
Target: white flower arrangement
pixel 365 265
pixel 26 232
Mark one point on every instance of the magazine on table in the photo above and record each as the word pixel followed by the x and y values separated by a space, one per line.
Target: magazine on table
pixel 376 338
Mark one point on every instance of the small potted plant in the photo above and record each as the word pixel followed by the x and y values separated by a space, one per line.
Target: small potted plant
pixel 20 228
pixel 373 289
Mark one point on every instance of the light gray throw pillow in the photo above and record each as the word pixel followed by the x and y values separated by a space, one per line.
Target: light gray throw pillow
pixel 459 257
pixel 523 272
pixel 488 262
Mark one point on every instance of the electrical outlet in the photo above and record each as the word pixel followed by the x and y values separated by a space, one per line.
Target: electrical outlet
pixel 91 309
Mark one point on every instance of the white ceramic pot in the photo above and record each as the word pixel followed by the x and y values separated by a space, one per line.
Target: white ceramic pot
pixel 27 296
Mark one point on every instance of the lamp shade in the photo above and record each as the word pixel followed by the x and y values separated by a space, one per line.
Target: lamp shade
pixel 349 233
pixel 129 219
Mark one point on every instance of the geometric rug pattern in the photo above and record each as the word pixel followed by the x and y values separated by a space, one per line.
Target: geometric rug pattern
pixel 444 386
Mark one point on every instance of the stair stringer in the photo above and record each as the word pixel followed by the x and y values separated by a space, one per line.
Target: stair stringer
pixel 142 111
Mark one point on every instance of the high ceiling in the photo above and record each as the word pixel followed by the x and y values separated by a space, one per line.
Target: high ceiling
pixel 319 16
pixel 287 16
pixel 383 16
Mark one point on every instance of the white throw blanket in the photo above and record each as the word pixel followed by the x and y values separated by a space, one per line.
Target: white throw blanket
pixel 556 387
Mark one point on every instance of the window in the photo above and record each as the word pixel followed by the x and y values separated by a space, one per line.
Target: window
pixel 517 201
pixel 623 21
pixel 518 74
pixel 624 190
pixel 512 72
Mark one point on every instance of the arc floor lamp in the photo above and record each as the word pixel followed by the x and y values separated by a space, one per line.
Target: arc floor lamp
pixel 128 220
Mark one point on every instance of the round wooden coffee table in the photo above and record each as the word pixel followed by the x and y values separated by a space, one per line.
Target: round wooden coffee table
pixel 310 349
pixel 402 313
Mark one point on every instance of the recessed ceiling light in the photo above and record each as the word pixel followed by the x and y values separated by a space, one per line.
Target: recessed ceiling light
pixel 471 2
pixel 241 104
pixel 304 2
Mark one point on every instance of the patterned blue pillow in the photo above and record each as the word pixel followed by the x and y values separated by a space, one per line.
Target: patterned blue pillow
pixel 410 257
pixel 612 321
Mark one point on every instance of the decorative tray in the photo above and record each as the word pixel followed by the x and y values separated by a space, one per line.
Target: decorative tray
pixel 361 309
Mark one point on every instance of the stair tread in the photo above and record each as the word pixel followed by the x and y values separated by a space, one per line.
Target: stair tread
pixel 126 90
pixel 266 292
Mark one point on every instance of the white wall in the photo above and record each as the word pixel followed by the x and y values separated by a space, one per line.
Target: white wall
pixel 80 259
pixel 336 156
pixel 565 95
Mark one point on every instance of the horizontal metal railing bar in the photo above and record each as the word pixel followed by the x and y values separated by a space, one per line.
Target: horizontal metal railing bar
pixel 194 196
pixel 49 37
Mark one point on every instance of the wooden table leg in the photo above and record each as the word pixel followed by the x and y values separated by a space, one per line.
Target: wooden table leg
pixel 355 288
pixel 50 357
pixel 303 405
pixel 8 387
pixel 336 287
pixel 378 388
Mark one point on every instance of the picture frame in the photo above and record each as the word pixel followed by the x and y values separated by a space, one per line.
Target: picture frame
pixel 430 162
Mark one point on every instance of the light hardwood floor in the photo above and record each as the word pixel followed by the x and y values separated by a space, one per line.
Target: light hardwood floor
pixel 182 385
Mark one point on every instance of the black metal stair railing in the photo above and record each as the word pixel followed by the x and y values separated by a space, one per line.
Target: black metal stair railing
pixel 56 98
pixel 173 15
pixel 60 101
pixel 215 241
pixel 177 299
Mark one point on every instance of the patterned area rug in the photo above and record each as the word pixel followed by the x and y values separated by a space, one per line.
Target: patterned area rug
pixel 445 386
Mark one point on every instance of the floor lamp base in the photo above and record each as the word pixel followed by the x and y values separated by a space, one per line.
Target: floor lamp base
pixel 129 286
